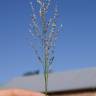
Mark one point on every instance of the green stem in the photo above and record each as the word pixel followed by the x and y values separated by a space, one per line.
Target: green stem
pixel 46 78
pixel 43 17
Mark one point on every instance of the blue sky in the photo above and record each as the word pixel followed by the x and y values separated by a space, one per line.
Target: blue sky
pixel 76 46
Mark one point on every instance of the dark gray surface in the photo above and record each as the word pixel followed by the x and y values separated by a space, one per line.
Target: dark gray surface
pixel 69 80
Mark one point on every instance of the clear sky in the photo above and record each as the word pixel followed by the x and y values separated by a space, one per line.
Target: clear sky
pixel 76 46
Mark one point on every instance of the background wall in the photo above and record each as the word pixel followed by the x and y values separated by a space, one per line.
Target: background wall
pixel 76 94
